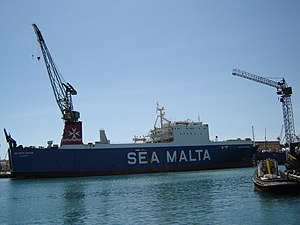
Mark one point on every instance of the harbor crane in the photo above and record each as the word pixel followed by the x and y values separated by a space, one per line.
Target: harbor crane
pixel 63 92
pixel 285 92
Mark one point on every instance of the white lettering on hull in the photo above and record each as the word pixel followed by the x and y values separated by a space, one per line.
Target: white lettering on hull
pixel 154 158
pixel 131 156
pixel 144 157
pixel 199 154
pixel 191 157
pixel 182 157
pixel 206 155
pixel 171 158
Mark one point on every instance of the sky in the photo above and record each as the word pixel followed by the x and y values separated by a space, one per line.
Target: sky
pixel 124 56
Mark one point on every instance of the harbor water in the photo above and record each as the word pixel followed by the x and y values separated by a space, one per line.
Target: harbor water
pixel 202 197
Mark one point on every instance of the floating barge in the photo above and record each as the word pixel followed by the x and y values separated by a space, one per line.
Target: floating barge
pixel 169 146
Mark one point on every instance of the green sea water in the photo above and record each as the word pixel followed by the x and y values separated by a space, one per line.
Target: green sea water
pixel 203 197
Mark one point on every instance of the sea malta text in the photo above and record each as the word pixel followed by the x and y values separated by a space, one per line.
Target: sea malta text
pixel 141 156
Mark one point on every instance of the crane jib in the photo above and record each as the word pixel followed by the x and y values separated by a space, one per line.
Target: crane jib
pixel 285 93
pixel 62 91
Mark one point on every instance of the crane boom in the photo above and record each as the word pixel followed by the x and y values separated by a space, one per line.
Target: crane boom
pixel 250 76
pixel 62 91
pixel 285 93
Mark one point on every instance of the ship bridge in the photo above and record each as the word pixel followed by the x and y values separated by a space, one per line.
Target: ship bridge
pixel 190 132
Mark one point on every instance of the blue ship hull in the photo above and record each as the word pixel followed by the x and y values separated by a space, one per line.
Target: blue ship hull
pixel 70 162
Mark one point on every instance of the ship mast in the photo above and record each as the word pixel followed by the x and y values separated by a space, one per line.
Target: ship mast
pixel 161 116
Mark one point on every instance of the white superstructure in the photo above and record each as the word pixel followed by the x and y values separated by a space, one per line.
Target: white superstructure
pixel 166 133
pixel 179 132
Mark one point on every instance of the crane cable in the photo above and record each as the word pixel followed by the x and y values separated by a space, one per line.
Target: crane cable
pixel 34 49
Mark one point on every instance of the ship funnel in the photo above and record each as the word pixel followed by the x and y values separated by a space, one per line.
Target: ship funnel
pixel 72 134
pixel 103 138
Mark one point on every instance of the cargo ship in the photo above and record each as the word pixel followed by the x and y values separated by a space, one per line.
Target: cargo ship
pixel 169 146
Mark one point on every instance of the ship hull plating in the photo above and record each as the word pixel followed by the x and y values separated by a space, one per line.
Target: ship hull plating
pixel 35 162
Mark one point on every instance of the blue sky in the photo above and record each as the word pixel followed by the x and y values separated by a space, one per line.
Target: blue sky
pixel 123 56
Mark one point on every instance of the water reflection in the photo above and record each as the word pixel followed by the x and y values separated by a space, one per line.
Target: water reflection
pixel 176 194
pixel 74 202
pixel 204 197
pixel 163 198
